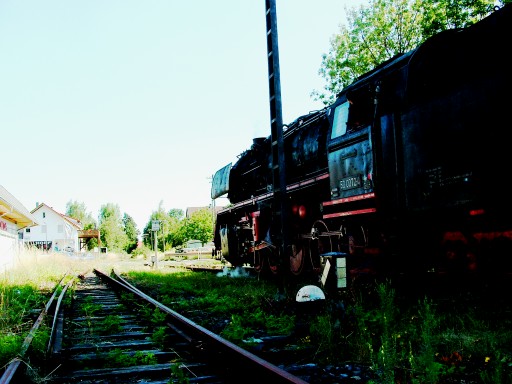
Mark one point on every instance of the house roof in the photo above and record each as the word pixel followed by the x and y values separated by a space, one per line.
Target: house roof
pixel 74 222
pixel 13 210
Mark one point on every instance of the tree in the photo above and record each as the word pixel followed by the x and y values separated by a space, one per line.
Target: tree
pixel 175 220
pixel 198 227
pixel 386 28
pixel 169 223
pixel 175 229
pixel 132 233
pixel 111 227
pixel 79 212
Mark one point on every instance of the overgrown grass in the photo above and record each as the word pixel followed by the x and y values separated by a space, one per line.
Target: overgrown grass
pixel 245 301
pixel 117 358
pixel 401 338
pixel 428 341
pixel 24 291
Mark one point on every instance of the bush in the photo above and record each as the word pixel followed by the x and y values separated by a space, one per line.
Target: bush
pixel 143 251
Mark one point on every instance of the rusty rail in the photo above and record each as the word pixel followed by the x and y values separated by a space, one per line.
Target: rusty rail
pixel 241 361
pixel 12 369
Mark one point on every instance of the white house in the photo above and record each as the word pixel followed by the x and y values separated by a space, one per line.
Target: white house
pixel 14 217
pixel 56 231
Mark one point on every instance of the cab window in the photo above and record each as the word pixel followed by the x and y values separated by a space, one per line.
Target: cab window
pixel 339 125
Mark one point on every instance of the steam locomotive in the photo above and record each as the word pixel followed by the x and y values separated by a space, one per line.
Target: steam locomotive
pixel 407 171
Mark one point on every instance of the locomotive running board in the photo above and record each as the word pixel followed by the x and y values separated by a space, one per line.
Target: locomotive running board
pixel 350 213
pixel 351 199
pixel 305 183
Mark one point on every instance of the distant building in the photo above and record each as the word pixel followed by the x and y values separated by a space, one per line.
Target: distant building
pixel 193 244
pixel 56 231
pixel 14 217
pixel 198 246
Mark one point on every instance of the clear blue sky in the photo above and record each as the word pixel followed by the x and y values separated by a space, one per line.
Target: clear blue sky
pixel 141 102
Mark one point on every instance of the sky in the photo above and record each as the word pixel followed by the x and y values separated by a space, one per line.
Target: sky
pixel 139 103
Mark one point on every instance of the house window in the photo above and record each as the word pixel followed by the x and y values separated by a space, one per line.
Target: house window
pixel 27 230
pixel 60 228
pixel 44 215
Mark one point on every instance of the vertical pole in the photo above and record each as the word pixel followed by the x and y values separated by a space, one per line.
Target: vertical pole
pixel 156 251
pixel 163 236
pixel 276 126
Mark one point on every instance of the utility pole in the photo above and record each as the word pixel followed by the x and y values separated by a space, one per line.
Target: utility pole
pixel 276 127
pixel 163 235
pixel 155 227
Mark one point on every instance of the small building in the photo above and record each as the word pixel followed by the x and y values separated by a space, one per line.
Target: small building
pixel 56 231
pixel 14 217
pixel 193 244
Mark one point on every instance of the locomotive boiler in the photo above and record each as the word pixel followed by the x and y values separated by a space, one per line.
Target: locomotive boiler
pixel 407 171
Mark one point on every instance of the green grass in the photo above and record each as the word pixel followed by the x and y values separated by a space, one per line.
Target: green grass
pixel 433 340
pixel 402 338
pixel 118 358
pixel 242 300
pixel 24 291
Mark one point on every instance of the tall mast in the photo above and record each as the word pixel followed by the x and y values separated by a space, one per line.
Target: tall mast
pixel 276 126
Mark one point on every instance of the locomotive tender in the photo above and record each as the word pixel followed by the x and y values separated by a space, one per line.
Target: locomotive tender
pixel 405 172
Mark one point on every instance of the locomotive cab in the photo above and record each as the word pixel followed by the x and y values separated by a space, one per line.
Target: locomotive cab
pixel 362 162
pixel 350 157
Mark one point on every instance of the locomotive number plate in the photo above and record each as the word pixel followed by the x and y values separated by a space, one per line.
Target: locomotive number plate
pixel 350 182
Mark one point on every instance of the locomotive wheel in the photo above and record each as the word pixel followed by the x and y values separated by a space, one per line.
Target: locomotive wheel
pixel 319 244
pixel 259 261
pixel 273 259
pixel 296 259
pixel 343 239
pixel 351 240
pixel 456 257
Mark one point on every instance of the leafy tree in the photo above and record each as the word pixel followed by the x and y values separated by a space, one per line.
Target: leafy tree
pixel 147 235
pixel 175 229
pixel 199 226
pixel 79 212
pixel 386 28
pixel 132 233
pixel 168 224
pixel 111 227
pixel 175 220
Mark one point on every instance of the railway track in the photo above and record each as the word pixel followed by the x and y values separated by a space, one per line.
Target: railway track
pixel 102 331
pixel 110 332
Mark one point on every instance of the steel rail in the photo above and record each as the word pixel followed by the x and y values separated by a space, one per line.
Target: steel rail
pixel 235 356
pixel 54 342
pixel 12 368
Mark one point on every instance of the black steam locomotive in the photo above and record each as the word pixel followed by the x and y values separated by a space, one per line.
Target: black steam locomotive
pixel 407 171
